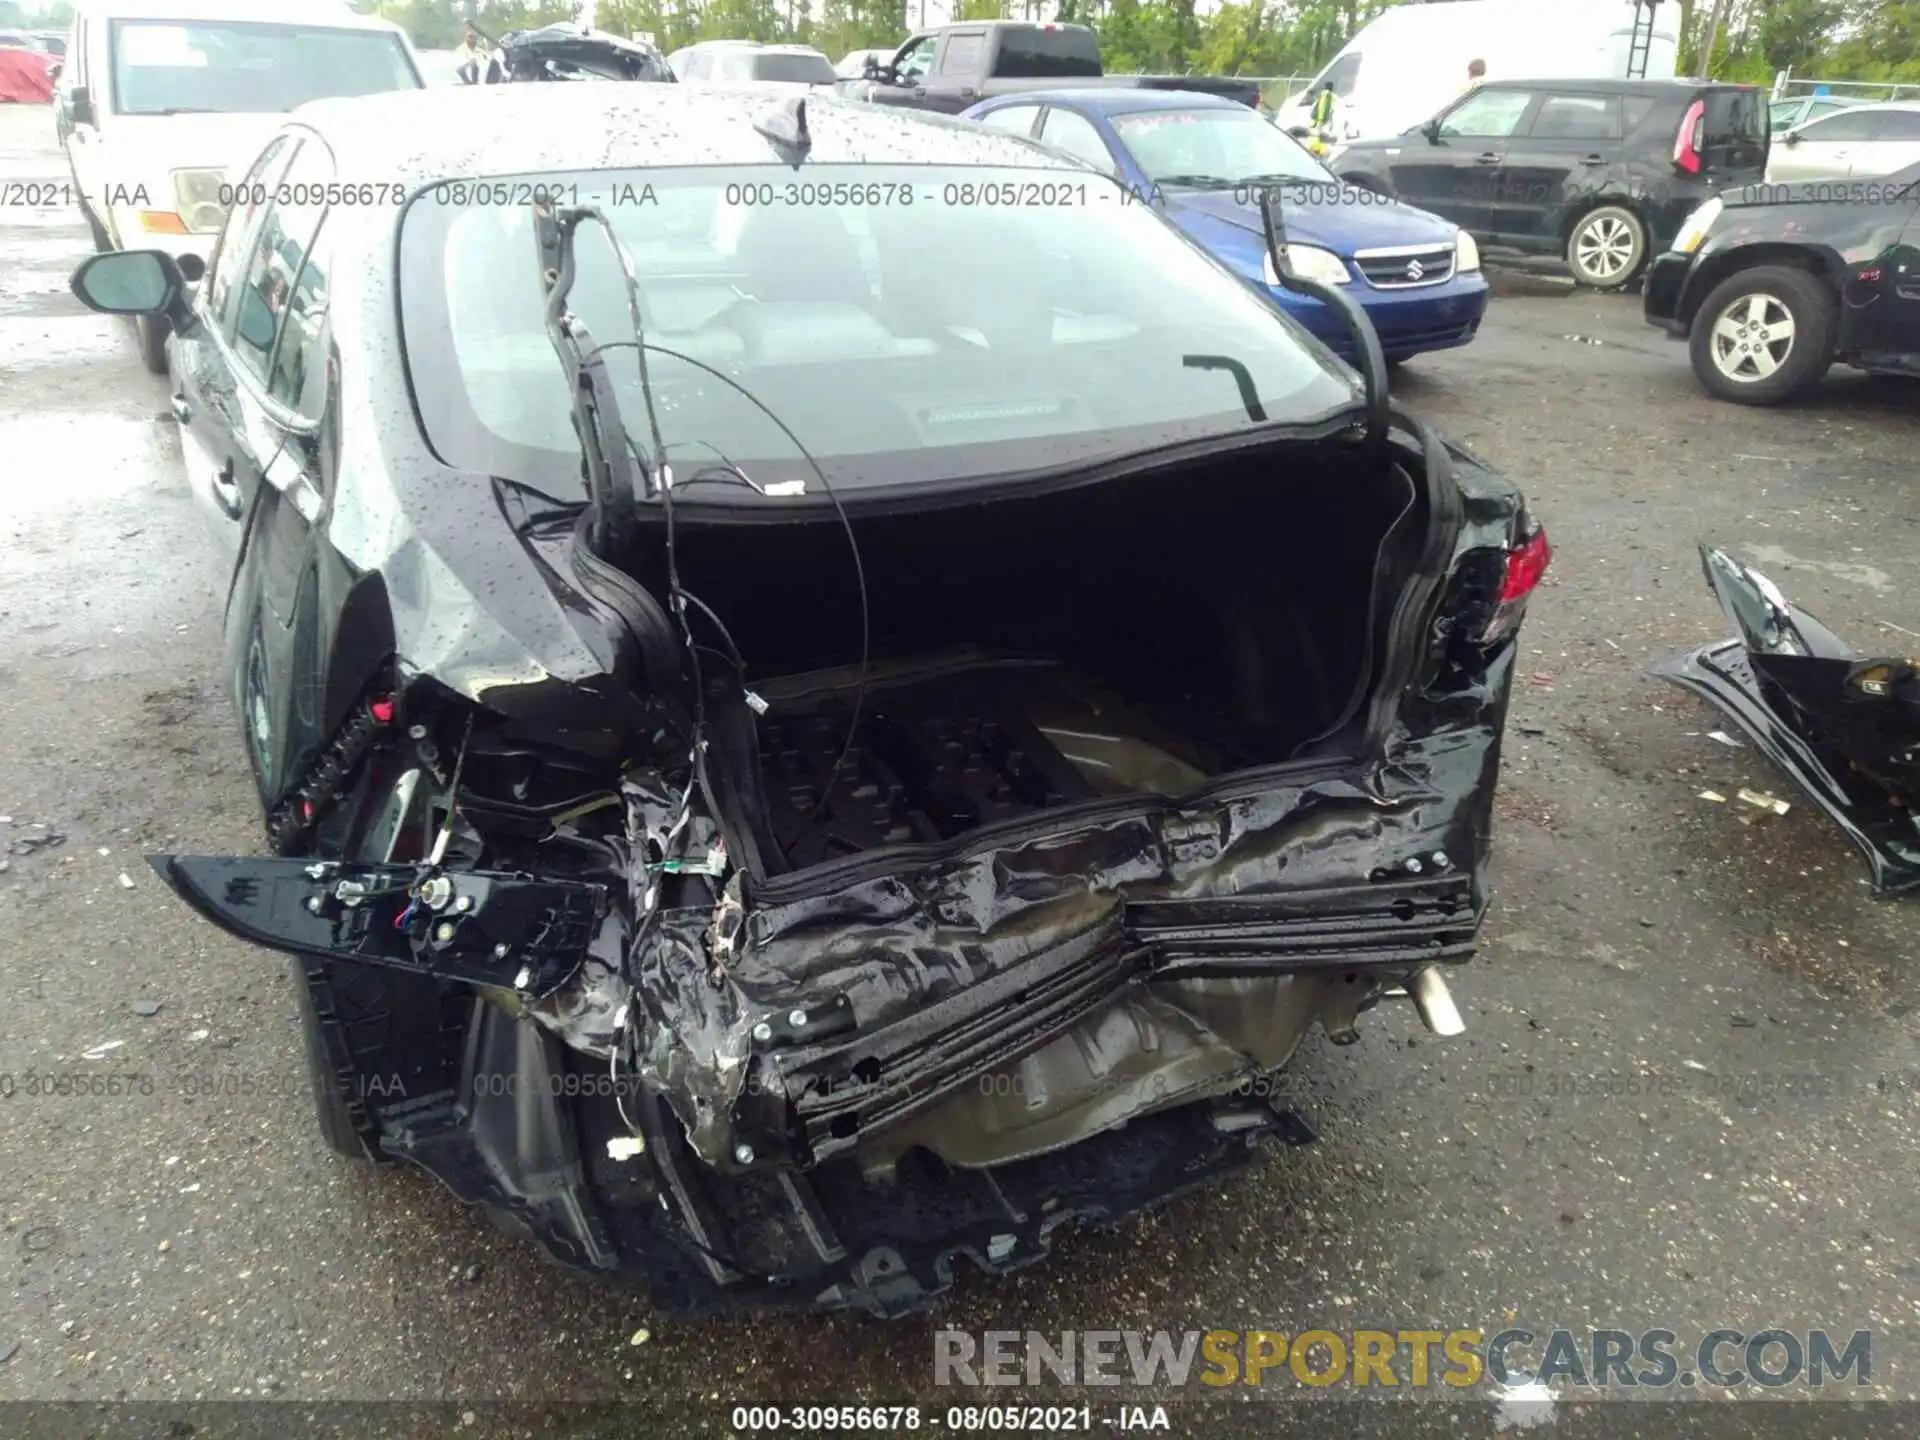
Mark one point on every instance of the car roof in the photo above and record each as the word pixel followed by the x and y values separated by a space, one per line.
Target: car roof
pixel 1119 100
pixel 1678 86
pixel 414 137
pixel 791 50
pixel 321 14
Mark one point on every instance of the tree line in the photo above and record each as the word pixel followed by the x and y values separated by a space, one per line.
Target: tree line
pixel 1749 39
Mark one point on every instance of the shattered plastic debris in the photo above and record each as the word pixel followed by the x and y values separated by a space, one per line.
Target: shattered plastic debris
pixel 1761 800
pixel 126 881
pixel 100 1051
pixel 1725 739
pixel 625 1147
pixel 1714 795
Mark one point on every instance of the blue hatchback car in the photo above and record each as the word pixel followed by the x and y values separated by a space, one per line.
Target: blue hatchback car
pixel 1203 159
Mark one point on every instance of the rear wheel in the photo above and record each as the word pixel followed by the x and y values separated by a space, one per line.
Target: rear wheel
pixel 1607 247
pixel 1764 335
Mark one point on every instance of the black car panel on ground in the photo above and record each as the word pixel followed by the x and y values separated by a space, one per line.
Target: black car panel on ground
pixel 1845 728
pixel 1771 285
pixel 1597 173
pixel 772 875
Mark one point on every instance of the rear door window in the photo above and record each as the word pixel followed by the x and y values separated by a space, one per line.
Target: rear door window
pixel 1898 125
pixel 297 375
pixel 1037 52
pixel 1839 129
pixel 1576 117
pixel 964 52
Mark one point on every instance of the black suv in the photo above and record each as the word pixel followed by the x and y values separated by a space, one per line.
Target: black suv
pixel 1772 284
pixel 1600 172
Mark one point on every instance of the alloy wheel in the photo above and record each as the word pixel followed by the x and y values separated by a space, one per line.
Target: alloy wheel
pixel 1605 248
pixel 1752 338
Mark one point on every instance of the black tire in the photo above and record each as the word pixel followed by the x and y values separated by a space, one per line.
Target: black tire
pixel 1607 248
pixel 152 332
pixel 374 1036
pixel 1774 367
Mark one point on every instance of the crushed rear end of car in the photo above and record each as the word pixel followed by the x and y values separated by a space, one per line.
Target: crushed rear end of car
pixel 751 1034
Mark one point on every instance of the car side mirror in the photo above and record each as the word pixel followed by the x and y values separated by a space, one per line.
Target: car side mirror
pixel 54 67
pixel 874 69
pixel 1792 137
pixel 1432 131
pixel 128 282
pixel 80 106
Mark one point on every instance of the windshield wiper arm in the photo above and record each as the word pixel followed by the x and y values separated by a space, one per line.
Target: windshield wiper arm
pixel 1197 182
pixel 1243 377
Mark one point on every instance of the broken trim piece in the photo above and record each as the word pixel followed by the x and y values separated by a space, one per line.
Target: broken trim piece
pixel 1864 812
pixel 506 932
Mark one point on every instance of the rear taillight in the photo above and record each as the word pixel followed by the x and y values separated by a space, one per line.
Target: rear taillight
pixel 1687 143
pixel 1526 565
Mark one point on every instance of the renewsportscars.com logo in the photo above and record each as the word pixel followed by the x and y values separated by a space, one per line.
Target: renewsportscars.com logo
pixel 1415 1359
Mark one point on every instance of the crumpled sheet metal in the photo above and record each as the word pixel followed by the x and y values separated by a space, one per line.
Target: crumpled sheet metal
pixel 893 945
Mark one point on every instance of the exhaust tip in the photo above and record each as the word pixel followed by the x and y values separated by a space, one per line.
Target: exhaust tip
pixel 1434 1001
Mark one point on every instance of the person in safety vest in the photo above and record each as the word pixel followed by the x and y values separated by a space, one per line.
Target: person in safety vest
pixel 1320 141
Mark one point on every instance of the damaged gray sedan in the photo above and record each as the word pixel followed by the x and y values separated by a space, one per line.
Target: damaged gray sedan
pixel 830 694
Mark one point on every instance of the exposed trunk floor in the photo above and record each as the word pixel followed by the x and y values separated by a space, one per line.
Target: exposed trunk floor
pixel 931 761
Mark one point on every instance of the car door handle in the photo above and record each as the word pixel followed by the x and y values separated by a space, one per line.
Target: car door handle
pixel 1593 159
pixel 1487 159
pixel 226 491
pixel 919 92
pixel 182 411
pixel 968 94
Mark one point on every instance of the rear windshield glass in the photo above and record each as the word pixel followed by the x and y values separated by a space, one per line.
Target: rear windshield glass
pixel 1035 54
pixel 1737 130
pixel 247 67
pixel 1001 320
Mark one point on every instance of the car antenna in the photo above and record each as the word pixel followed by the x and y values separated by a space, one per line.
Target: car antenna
pixel 786 126
pixel 1373 360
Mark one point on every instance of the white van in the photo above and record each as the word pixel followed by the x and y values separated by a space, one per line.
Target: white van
pixel 161 103
pixel 1409 62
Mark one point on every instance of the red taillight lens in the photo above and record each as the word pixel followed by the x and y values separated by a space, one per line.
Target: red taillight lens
pixel 1526 565
pixel 1686 144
